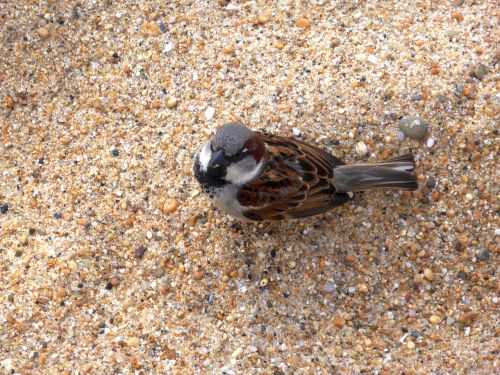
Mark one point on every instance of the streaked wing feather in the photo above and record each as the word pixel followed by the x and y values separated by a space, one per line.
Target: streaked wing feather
pixel 294 182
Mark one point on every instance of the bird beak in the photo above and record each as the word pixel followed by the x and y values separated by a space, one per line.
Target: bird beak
pixel 216 160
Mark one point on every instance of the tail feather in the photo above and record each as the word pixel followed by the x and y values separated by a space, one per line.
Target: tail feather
pixel 391 174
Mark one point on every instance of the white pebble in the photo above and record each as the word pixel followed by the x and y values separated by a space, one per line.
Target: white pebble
pixel 361 149
pixel 372 59
pixel 400 136
pixel 467 331
pixel 497 232
pixel 237 353
pixel 296 132
pixel 209 113
pixel 431 142
pixel 168 47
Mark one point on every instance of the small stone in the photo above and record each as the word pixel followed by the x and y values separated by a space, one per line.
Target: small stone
pixel 400 136
pixel 338 154
pixel 484 255
pixel 428 274
pixel 469 196
pixel 198 275
pixel 435 319
pixel 430 142
pixel 237 353
pixel 4 208
pixel 72 265
pixel 296 132
pixel 468 318
pixel 170 206
pixel 114 281
pixel 43 32
pixel 228 50
pixel 436 196
pixel 140 251
pixel 264 17
pixel 430 182
pixel 363 288
pixel 303 23
pixel 209 113
pixel 339 321
pixel 115 152
pixel 372 59
pixel 480 71
pixel 335 42
pixel 133 341
pixel 171 102
pixel 457 3
pixel 9 102
pixel 410 345
pixel 413 127
pixel 159 272
pixel 361 149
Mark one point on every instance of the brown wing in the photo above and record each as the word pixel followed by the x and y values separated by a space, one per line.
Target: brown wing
pixel 293 183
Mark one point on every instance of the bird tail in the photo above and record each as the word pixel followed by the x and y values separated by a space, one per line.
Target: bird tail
pixel 391 174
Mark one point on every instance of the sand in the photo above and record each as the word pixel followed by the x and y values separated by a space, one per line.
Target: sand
pixel 113 261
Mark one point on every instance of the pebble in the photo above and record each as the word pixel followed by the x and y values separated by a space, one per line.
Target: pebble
pixel 237 353
pixel 497 232
pixel 484 255
pixel 303 23
pixel 400 136
pixel 4 208
pixel 436 196
pixel 435 319
pixel 133 341
pixel 480 71
pixel 430 182
pixel 372 59
pixel 468 318
pixel 264 17
pixel 361 149
pixel 171 102
pixel 43 32
pixel 335 42
pixel 159 272
pixel 430 142
pixel 410 345
pixel 209 113
pixel 413 127
pixel 170 206
pixel 339 322
pixel 296 132
pixel 9 102
pixel 428 274
pixel 140 251
pixel 198 275
pixel 338 154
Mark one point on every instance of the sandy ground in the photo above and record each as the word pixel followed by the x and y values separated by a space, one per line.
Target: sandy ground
pixel 112 261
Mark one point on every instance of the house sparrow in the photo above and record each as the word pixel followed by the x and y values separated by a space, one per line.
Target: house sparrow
pixel 257 176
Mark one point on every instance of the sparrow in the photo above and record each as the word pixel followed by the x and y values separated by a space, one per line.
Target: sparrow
pixel 256 176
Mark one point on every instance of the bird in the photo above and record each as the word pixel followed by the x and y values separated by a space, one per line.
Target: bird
pixel 257 176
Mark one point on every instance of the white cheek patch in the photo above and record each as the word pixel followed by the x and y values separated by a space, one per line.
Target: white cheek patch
pixel 243 171
pixel 205 155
